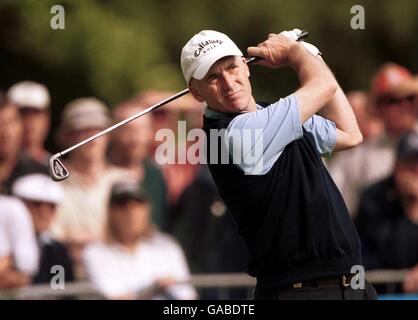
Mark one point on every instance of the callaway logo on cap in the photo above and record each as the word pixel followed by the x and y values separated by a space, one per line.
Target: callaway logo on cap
pixel 203 50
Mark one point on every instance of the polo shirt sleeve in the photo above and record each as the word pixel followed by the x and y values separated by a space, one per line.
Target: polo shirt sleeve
pixel 257 139
pixel 324 133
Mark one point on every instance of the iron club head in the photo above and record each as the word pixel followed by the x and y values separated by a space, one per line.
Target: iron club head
pixel 57 170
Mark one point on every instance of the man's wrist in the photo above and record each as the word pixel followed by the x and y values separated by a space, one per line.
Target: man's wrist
pixel 296 54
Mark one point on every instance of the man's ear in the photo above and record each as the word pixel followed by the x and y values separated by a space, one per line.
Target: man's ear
pixel 195 92
pixel 247 71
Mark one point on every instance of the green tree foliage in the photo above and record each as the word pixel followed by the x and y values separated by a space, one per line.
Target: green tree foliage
pixel 112 49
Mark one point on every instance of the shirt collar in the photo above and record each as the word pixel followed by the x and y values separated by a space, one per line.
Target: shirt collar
pixel 212 114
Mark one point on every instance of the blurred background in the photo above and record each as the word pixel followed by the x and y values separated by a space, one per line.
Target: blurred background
pixel 122 56
pixel 113 49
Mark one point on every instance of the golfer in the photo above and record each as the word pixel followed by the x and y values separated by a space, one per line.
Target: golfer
pixel 300 238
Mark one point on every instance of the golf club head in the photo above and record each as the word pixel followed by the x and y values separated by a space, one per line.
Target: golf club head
pixel 57 170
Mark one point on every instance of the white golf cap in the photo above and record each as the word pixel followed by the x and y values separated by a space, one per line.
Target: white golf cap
pixel 38 187
pixel 29 94
pixel 85 113
pixel 203 50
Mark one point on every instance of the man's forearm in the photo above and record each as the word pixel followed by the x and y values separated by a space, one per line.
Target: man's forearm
pixel 307 66
pixel 339 110
pixel 315 97
pixel 318 84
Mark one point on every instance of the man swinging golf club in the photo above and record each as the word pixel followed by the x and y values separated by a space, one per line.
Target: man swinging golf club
pixel 300 238
pixel 59 172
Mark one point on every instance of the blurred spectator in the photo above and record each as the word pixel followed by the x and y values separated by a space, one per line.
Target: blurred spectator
pixel 42 196
pixel 162 118
pixel 130 150
pixel 136 260
pixel 370 125
pixel 13 163
pixel 206 226
pixel 19 254
pixel 32 100
pixel 81 216
pixel 203 225
pixel 177 175
pixel 373 160
pixel 395 100
pixel 407 90
pixel 388 216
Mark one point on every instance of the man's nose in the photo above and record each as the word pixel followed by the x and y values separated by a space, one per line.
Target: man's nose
pixel 227 82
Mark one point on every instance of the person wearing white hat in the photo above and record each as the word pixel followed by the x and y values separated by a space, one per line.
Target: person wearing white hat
pixel 42 196
pixel 13 161
pixel 81 216
pixel 33 102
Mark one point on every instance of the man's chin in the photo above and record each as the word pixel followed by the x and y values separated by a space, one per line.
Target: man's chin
pixel 236 106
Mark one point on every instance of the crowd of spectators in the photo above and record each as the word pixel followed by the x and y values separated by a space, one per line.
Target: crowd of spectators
pixel 136 228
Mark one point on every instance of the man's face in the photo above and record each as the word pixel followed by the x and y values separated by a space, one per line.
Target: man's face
pixel 134 138
pixel 43 214
pixel 129 219
pixel 398 114
pixel 35 126
pixel 226 87
pixel 10 131
pixel 95 149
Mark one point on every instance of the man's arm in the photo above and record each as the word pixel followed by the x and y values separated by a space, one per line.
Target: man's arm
pixel 319 90
pixel 318 84
pixel 279 124
pixel 339 110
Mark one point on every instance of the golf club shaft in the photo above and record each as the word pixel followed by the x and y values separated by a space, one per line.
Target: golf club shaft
pixel 121 123
pixel 304 34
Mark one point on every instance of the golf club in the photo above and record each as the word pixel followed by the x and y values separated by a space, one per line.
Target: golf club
pixel 57 170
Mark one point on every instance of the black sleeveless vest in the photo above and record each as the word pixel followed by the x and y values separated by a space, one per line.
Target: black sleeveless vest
pixel 293 218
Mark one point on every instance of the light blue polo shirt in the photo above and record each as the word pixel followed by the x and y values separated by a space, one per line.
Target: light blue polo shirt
pixel 277 125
